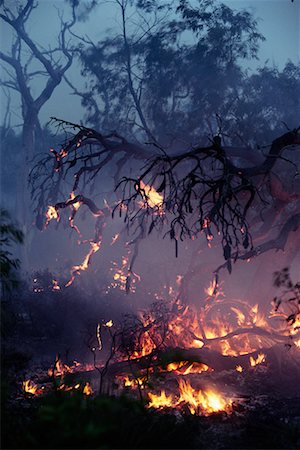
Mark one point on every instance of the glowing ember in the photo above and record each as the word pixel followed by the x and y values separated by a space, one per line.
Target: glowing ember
pixel 52 213
pixel 261 357
pixel 239 369
pixel 109 324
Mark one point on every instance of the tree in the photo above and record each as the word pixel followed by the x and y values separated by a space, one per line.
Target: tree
pixel 236 194
pixel 190 78
pixel 23 65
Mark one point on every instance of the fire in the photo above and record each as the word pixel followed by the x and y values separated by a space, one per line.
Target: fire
pixel 76 270
pixel 203 402
pixel 59 368
pixel 239 369
pixel 87 390
pixel 206 402
pixel 297 343
pixel 115 238
pixel 75 205
pixel 29 387
pixel 186 367
pixel 55 286
pixel 212 289
pixel 261 357
pixel 109 324
pixel 52 213
pixel 152 198
pixel 133 383
pixel 122 275
pixel 160 401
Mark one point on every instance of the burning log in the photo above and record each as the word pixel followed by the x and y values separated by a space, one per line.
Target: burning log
pixel 158 360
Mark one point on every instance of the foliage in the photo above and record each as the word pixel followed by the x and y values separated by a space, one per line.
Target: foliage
pixel 184 64
pixel 288 301
pixel 71 421
pixel 9 234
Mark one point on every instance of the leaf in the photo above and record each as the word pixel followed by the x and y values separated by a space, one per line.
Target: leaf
pixel 227 252
pixel 229 266
pixel 246 242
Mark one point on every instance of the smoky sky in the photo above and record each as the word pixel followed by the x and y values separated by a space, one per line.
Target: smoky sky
pixel 278 21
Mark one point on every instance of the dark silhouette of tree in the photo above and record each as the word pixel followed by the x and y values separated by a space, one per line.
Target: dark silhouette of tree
pixel 23 64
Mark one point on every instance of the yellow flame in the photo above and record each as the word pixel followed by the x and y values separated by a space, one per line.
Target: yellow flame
pixel 30 387
pixel 160 401
pixel 51 214
pixel 261 357
pixel 153 198
pixel 87 390
pixel 186 367
pixel 75 205
pixel 239 369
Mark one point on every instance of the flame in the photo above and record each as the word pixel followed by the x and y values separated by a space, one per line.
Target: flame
pixel 75 205
pixel 115 238
pixel 161 400
pixel 212 289
pixel 133 383
pixel 52 213
pixel 55 286
pixel 76 270
pixel 87 390
pixel 109 324
pixel 297 343
pixel 29 387
pixel 239 369
pixel 261 357
pixel 186 367
pixel 151 197
pixel 122 275
pixel 203 402
pixel 59 369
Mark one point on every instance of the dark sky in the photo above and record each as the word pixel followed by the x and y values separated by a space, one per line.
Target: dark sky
pixel 279 21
